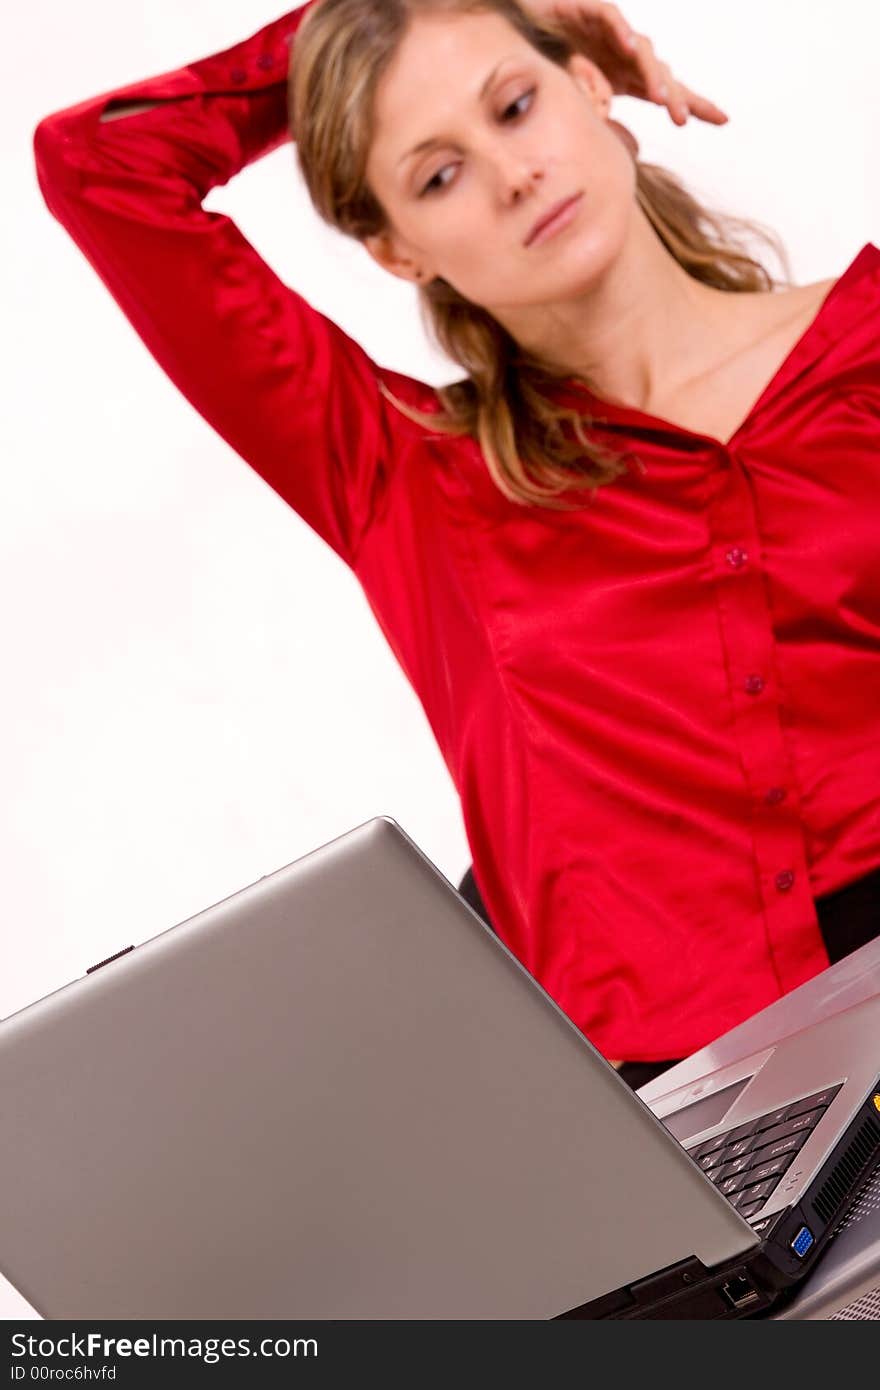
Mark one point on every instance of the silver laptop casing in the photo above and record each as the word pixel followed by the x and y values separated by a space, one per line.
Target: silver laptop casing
pixel 334 1094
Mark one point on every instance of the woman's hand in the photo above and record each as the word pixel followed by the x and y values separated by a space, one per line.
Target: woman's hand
pixel 626 58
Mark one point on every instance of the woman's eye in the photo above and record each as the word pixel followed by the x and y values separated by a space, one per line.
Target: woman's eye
pixel 433 183
pixel 526 95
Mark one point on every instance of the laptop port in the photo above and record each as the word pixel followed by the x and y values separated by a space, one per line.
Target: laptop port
pixel 802 1241
pixel 740 1292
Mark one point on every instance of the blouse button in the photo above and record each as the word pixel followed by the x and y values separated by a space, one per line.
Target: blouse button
pixel 265 61
pixel 238 76
pixel 736 557
pixel 775 795
pixel 754 685
pixel 784 881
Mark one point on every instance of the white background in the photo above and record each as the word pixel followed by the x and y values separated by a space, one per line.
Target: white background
pixel 194 690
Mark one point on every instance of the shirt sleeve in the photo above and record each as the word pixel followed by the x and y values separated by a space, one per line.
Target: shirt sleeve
pixel 292 393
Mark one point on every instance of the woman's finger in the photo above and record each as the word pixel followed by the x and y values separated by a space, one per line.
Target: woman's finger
pixel 620 28
pixel 649 72
pixel 682 103
pixel 703 108
pixel 663 88
pixel 677 102
pixel 671 94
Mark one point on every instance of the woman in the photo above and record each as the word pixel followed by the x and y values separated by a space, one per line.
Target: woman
pixel 628 563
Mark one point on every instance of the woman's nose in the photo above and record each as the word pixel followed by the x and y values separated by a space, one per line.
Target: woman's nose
pixel 518 178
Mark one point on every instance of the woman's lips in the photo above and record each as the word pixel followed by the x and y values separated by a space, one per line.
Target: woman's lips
pixel 553 221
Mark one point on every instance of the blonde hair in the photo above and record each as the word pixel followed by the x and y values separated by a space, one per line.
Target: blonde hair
pixel 341 50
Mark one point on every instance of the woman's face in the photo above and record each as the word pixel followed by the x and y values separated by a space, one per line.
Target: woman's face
pixel 511 134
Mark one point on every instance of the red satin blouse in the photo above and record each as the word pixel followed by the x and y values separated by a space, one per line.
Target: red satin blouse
pixel 660 711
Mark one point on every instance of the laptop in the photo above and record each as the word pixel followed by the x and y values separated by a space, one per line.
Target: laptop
pixel 337 1095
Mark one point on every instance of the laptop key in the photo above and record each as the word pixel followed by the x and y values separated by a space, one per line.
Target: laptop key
pixel 769 1136
pixel 744 1198
pixel 773 1117
pixel 761 1190
pixel 709 1146
pixel 769 1170
pixel 782 1131
pixel 823 1098
pixel 748 1209
pixel 808 1120
pixel 743 1131
pixel 731 1170
pixel 732 1185
pixel 741 1146
pixel 782 1146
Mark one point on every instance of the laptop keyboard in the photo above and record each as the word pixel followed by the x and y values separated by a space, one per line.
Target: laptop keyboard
pixel 747 1162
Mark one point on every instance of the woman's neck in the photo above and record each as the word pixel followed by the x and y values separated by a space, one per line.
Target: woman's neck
pixel 645 330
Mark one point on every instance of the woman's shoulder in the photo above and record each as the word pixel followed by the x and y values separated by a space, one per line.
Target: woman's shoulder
pixel 779 319
pixel 795 308
pixel 807 300
pixel 796 302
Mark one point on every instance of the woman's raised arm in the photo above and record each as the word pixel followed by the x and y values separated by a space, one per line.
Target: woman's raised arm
pixel 125 174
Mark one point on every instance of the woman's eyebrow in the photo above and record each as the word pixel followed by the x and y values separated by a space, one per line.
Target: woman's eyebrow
pixel 435 140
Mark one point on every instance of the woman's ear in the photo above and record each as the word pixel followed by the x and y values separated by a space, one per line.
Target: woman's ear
pixel 593 82
pixel 599 90
pixel 385 252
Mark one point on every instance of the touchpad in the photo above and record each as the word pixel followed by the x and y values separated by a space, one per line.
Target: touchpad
pixel 704 1113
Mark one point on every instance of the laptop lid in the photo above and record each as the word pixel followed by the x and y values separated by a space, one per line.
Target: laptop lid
pixel 334 1094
